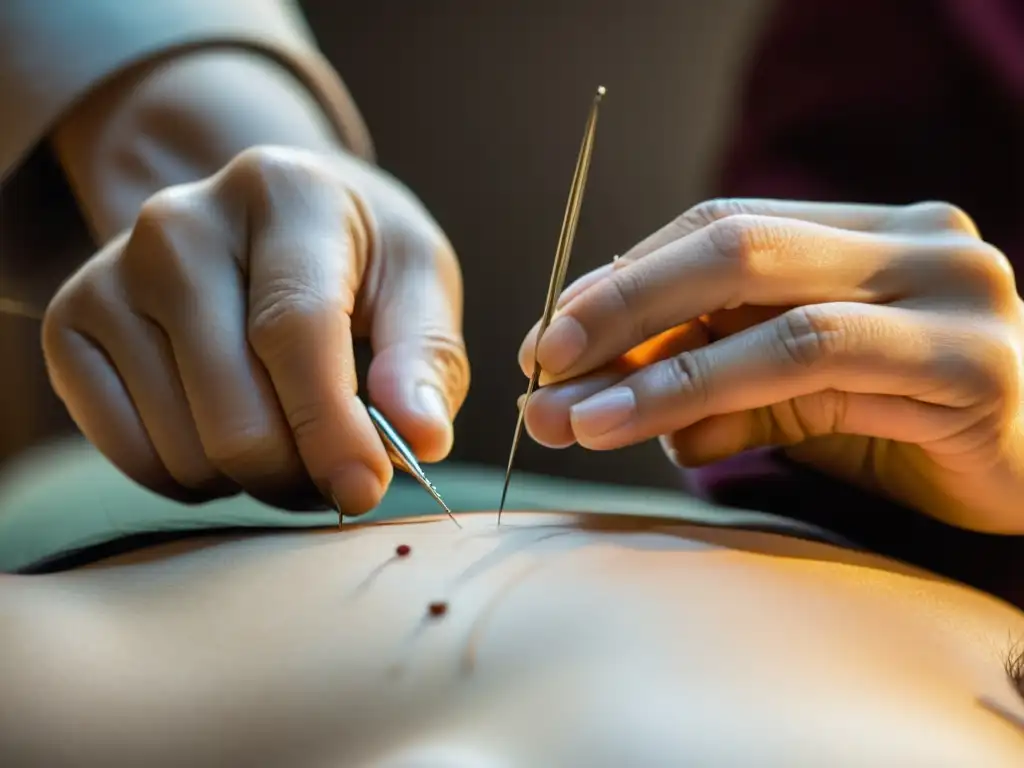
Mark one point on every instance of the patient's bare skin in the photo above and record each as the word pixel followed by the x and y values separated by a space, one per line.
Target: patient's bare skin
pixel 568 640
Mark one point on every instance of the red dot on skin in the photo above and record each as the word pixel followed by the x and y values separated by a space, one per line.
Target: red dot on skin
pixel 438 609
pixel 403 550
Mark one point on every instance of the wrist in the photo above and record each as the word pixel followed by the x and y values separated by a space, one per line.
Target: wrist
pixel 180 119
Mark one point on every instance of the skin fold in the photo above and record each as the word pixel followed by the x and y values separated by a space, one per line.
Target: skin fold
pixel 569 639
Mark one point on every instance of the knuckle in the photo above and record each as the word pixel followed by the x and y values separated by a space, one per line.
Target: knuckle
pixel 75 300
pixel 284 307
pixel 746 240
pixel 999 358
pixel 87 300
pixel 160 217
pixel 361 228
pixel 938 214
pixel 627 288
pixel 304 420
pixel 823 413
pixel 708 212
pixel 280 185
pixel 689 376
pixel 809 334
pixel 271 172
pixel 164 207
pixel 55 326
pixel 269 163
pixel 803 418
pixel 161 241
pixel 989 272
pixel 731 236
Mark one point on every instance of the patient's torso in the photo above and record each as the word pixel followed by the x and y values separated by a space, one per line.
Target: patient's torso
pixel 555 640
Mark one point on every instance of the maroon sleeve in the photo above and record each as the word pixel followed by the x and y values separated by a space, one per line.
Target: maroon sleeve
pixel 882 101
pixel 887 101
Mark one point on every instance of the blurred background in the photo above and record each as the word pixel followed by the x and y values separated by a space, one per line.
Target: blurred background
pixel 480 107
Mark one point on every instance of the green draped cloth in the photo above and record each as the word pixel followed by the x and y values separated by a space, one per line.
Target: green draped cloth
pixel 67 497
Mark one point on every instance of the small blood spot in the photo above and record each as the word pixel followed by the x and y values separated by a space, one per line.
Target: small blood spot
pixel 403 550
pixel 438 609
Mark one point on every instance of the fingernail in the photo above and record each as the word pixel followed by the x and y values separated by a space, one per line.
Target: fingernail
pixel 562 344
pixel 670 449
pixel 604 412
pixel 432 404
pixel 356 488
pixel 525 354
pixel 521 401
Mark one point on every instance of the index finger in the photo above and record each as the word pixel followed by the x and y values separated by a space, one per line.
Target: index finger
pixel 305 266
pixel 930 216
pixel 740 261
pixel 852 217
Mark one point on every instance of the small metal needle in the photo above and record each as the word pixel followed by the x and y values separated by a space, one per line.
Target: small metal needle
pixel 337 508
pixel 403 457
pixel 558 272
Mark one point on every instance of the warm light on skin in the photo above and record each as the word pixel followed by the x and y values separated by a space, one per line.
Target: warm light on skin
pixel 568 640
pixel 661 347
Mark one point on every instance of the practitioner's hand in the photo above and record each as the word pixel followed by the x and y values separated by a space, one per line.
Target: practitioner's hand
pixel 211 347
pixel 880 344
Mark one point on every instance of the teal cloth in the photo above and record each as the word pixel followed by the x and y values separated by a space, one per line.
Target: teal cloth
pixel 68 497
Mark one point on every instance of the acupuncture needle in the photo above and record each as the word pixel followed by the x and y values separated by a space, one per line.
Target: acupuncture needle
pixel 558 273
pixel 401 456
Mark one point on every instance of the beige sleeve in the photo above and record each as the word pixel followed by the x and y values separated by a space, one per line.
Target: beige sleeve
pixel 53 52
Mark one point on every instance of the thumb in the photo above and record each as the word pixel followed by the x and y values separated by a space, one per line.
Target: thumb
pixel 419 376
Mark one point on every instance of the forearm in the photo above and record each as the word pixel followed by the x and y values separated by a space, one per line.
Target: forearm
pixel 178 120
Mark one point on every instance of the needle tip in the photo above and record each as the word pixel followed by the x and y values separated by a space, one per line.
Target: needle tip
pixel 501 506
pixel 445 507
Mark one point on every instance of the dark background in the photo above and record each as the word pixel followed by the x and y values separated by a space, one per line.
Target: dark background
pixel 480 106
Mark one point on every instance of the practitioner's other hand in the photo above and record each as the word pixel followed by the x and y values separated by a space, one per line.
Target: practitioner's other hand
pixel 210 348
pixel 880 344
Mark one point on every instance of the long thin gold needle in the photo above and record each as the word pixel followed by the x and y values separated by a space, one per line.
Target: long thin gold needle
pixel 558 272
